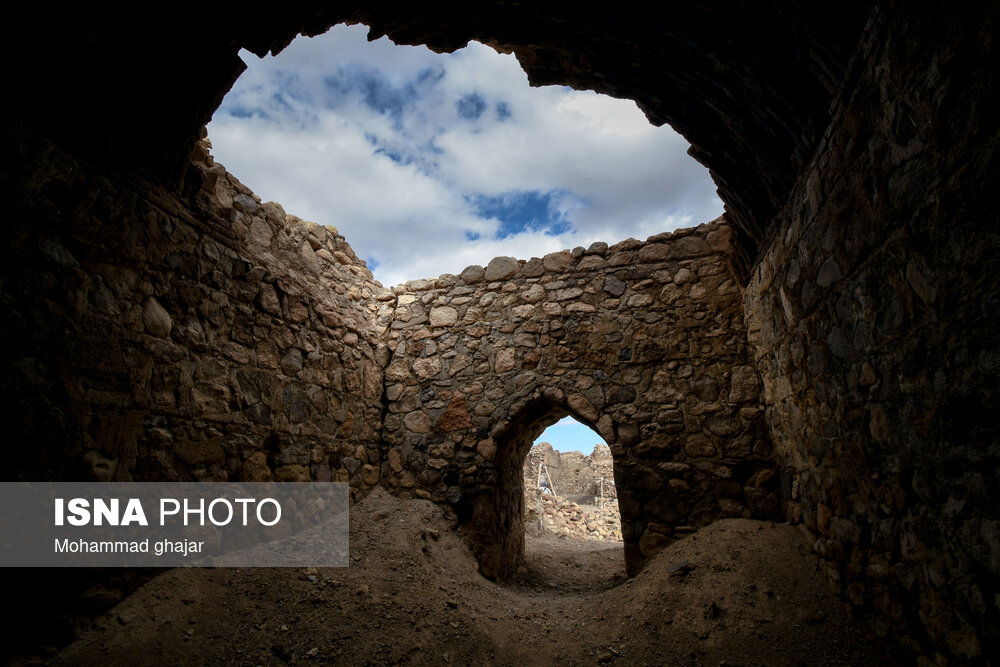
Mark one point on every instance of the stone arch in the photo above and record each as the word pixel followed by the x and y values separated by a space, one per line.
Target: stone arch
pixel 499 530
pixel 641 341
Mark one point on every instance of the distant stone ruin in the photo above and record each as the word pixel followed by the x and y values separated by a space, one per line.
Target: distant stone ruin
pixel 571 473
pixel 562 517
pixel 571 495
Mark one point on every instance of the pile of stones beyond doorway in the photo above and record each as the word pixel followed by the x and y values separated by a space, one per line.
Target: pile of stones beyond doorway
pixel 565 518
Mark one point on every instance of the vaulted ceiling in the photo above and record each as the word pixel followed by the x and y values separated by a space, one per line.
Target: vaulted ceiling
pixel 750 85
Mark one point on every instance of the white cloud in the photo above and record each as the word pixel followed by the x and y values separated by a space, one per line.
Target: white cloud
pixel 369 137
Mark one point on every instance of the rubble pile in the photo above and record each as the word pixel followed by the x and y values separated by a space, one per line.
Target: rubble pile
pixel 563 517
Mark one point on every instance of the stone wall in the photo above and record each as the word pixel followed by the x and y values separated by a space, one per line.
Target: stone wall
pixel 202 335
pixel 205 335
pixel 859 179
pixel 642 341
pixel 873 318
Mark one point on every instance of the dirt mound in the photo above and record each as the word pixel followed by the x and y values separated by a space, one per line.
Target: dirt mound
pixel 748 594
pixel 741 592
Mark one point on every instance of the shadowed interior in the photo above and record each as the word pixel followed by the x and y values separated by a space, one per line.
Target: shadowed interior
pixel 162 323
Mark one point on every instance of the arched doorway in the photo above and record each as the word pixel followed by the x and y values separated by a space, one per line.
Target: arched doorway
pixel 573 540
pixel 508 502
pixel 569 484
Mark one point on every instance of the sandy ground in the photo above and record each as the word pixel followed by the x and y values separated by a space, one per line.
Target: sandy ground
pixel 750 595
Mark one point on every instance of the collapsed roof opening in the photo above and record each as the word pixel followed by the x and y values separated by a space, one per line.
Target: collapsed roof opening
pixel 428 163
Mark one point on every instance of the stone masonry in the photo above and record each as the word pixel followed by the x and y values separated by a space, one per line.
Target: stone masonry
pixel 642 341
pixel 434 389
pixel 875 346
pixel 211 338
pixel 161 322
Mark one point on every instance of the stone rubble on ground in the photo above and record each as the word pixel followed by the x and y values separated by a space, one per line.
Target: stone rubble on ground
pixel 563 517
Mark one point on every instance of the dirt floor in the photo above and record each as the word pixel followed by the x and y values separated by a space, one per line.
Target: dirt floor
pixel 749 594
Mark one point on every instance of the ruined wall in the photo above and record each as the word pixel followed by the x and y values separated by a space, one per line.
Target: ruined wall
pixel 156 335
pixel 873 308
pixel 572 473
pixel 602 464
pixel 642 341
pixel 873 319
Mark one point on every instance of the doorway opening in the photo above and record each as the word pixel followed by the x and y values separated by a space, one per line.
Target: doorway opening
pixel 555 530
pixel 569 485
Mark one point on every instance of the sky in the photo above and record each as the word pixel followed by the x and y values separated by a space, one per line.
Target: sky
pixel 428 163
pixel 569 435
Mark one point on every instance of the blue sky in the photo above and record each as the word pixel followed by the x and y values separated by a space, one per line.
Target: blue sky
pixel 428 163
pixel 569 435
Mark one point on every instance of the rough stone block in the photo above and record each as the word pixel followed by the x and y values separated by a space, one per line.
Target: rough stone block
pixel 200 452
pixel 501 268
pixel 472 274
pixel 443 316
pixel 155 319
